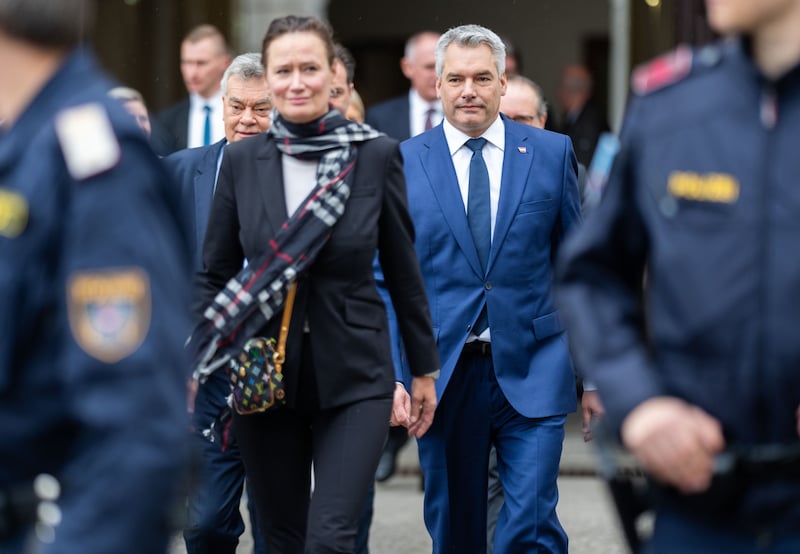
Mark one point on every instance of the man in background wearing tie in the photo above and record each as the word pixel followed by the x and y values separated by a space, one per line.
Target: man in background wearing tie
pixel 410 114
pixel 197 119
pixel 491 201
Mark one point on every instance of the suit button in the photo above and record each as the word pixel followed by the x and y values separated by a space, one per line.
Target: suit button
pixel 488 285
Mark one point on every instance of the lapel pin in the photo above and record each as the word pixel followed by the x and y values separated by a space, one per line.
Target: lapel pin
pixel 522 149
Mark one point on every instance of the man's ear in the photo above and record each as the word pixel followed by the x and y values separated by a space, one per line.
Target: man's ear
pixel 406 67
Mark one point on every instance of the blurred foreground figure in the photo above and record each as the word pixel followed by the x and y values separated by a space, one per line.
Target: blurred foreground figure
pixel 682 292
pixel 93 281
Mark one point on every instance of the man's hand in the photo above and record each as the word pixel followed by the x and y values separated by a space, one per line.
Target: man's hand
pixel 591 409
pixel 674 441
pixel 423 404
pixel 401 407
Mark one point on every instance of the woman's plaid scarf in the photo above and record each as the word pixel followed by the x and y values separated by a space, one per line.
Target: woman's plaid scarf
pixel 258 292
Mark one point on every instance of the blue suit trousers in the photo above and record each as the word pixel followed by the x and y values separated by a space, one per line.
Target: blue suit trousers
pixel 215 523
pixel 473 414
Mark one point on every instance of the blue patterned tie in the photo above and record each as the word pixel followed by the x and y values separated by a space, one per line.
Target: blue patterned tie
pixel 479 214
pixel 207 126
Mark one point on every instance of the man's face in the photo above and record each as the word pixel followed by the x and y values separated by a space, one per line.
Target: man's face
pixel 521 104
pixel 341 90
pixel 470 88
pixel 574 88
pixel 202 65
pixel 245 108
pixel 420 66
pixel 746 16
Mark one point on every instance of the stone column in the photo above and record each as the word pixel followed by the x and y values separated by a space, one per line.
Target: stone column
pixel 251 18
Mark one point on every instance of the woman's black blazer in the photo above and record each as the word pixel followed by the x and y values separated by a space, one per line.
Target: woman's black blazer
pixel 337 296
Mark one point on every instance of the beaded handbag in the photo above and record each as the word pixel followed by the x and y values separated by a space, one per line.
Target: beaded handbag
pixel 256 373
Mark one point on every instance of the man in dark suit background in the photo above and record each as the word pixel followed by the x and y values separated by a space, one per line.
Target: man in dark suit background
pixel 582 120
pixel 215 523
pixel 196 120
pixel 410 114
pixel 491 202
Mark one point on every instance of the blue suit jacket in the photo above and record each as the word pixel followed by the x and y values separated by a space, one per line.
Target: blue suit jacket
pixel 391 117
pixel 195 170
pixel 539 203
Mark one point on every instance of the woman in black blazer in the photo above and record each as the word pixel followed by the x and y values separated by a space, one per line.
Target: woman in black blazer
pixel 339 377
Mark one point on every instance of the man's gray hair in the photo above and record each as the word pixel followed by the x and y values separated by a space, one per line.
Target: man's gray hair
pixel 472 36
pixel 47 23
pixel 541 104
pixel 247 66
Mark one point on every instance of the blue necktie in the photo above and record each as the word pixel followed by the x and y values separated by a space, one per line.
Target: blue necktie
pixel 479 214
pixel 207 126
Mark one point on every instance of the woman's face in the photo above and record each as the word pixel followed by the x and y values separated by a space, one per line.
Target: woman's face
pixel 299 76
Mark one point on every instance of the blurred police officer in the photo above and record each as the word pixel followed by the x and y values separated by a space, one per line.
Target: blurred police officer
pixel 93 273
pixel 702 356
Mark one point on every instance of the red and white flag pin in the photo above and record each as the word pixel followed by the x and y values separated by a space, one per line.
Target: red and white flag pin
pixel 522 149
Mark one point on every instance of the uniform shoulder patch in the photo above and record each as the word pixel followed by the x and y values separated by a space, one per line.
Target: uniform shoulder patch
pixel 109 311
pixel 13 213
pixel 87 140
pixel 662 71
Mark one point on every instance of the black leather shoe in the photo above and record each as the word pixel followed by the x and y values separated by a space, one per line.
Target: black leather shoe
pixel 386 465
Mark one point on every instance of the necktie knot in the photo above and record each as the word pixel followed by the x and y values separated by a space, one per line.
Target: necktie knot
pixel 476 144
pixel 207 109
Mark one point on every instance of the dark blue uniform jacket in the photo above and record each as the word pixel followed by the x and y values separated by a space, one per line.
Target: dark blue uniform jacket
pixel 686 279
pixel 94 275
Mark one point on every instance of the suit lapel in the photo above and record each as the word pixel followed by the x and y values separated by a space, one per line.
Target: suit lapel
pixel 517 160
pixel 269 173
pixel 204 181
pixel 438 164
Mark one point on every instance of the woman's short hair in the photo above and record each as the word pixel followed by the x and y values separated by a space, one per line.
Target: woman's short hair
pixel 298 24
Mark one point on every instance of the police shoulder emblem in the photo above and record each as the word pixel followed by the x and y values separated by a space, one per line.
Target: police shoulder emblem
pixel 109 311
pixel 13 213
pixel 662 71
pixel 87 140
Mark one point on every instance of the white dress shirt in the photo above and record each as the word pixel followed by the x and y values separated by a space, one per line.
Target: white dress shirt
pixel 492 152
pixel 418 111
pixel 197 119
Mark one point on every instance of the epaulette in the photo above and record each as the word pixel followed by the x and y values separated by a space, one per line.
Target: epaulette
pixel 87 140
pixel 662 71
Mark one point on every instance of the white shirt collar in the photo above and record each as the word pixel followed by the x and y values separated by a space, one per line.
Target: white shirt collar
pixel 197 102
pixel 495 134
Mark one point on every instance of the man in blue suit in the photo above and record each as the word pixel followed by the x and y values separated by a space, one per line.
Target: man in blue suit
pixel 215 523
pixel 492 201
pixel 417 111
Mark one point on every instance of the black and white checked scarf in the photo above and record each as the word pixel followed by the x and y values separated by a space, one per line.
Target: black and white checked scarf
pixel 258 292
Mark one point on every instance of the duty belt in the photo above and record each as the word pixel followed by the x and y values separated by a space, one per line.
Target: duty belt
pixel 30 505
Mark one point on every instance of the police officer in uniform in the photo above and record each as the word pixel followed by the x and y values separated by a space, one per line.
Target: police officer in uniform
pixel 93 273
pixel 682 290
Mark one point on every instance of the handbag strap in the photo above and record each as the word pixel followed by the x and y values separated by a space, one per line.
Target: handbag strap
pixel 280 354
